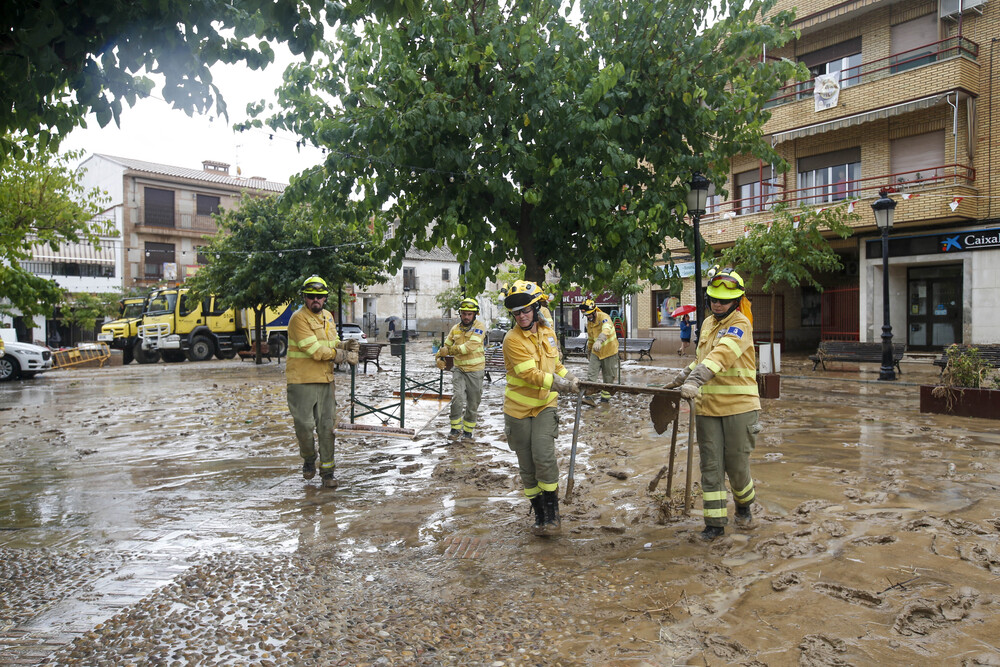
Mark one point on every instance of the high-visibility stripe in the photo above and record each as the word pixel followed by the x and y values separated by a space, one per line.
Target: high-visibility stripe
pixel 307 340
pixel 692 365
pixel 524 365
pixel 729 389
pixel 480 359
pixel 744 495
pixel 525 400
pixel 713 495
pixel 326 466
pixel 533 492
pixel 714 513
pixel 455 423
pixel 605 394
pixel 732 345
pixel 469 426
pixel 712 365
pixel 563 373
pixel 549 486
pixel 518 382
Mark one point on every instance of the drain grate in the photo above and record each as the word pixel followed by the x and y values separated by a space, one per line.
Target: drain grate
pixel 463 546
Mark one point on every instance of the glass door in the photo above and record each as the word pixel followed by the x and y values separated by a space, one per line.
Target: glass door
pixel 934 316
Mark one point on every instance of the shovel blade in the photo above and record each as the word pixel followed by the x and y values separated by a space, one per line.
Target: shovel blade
pixel 663 410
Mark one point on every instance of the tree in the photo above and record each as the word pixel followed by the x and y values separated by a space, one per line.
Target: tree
pixel 42 203
pixel 61 60
pixel 82 310
pixel 264 252
pixel 506 131
pixel 789 249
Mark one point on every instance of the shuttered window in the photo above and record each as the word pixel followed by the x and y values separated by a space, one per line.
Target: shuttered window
pixel 917 159
pixel 159 207
pixel 207 205
pixel 913 43
pixel 156 255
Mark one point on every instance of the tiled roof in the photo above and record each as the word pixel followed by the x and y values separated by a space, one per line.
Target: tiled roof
pixel 439 253
pixel 194 174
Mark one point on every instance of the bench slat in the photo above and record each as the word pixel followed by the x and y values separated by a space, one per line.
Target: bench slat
pixel 855 352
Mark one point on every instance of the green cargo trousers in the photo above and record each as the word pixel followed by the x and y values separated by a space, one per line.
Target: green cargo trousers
pixel 466 393
pixel 724 446
pixel 533 440
pixel 314 408
pixel 607 368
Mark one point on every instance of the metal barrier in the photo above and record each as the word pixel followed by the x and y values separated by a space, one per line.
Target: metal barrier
pixel 81 354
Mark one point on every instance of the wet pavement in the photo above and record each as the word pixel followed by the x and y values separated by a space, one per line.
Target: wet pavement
pixel 156 515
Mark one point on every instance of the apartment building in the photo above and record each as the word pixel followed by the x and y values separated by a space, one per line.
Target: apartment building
pixel 903 99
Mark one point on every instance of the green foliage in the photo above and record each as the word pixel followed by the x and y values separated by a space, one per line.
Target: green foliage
pixel 450 298
pixel 260 256
pixel 507 132
pixel 62 60
pixel 83 309
pixel 42 203
pixel 791 248
pixel 967 369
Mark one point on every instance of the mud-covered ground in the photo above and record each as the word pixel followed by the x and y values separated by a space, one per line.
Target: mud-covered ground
pixel 156 515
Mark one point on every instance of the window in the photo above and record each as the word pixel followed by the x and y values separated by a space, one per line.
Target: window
pixel 207 205
pixel 829 177
pixel 844 57
pixel 409 278
pixel 445 275
pixel 156 255
pixel 914 43
pixel 664 303
pixel 755 190
pixel 916 160
pixel 200 256
pixel 159 207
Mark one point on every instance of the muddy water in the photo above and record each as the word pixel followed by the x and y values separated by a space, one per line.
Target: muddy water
pixel 128 494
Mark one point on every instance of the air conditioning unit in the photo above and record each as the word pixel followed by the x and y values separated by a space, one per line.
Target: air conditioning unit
pixel 949 9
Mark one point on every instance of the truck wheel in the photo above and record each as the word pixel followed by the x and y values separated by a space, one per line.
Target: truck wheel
pixel 278 345
pixel 173 356
pixel 225 354
pixel 201 349
pixel 9 368
pixel 127 356
pixel 144 356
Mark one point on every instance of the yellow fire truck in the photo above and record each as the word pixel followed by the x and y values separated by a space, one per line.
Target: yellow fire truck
pixel 122 334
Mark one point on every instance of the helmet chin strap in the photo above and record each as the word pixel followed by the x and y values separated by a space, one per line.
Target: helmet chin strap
pixel 534 318
pixel 732 307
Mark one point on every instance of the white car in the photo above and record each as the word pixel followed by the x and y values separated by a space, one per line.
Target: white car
pixel 22 360
pixel 350 331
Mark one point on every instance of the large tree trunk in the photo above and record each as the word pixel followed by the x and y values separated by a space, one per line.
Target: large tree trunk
pixel 258 327
pixel 534 266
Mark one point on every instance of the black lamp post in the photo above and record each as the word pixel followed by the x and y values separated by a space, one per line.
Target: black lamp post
pixel 696 199
pixel 884 207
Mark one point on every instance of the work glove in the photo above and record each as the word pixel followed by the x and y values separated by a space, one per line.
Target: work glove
pixel 570 383
pixel 678 379
pixel 443 351
pixel 352 357
pixel 597 346
pixel 340 355
pixel 350 345
pixel 699 376
pixel 440 363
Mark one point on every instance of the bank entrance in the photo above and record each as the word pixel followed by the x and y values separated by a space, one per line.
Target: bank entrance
pixel 934 315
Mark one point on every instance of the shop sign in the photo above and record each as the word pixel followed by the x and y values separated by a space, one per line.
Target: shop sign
pixel 986 238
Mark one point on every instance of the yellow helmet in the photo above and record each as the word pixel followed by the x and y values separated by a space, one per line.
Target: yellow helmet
pixel 726 284
pixel 522 293
pixel 315 285
pixel 469 304
pixel 588 306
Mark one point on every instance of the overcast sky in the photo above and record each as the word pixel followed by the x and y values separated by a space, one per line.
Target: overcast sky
pixel 154 131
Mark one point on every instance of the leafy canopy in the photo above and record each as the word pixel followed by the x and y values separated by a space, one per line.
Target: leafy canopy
pixel 524 136
pixel 42 203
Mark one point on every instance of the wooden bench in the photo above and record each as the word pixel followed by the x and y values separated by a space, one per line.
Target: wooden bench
pixel 989 352
pixel 644 346
pixel 855 352
pixel 370 352
pixel 251 352
pixel 494 362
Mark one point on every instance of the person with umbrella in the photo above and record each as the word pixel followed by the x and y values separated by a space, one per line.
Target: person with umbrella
pixel 684 312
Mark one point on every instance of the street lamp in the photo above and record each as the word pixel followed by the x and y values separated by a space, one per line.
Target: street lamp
pixel 884 208
pixel 697 197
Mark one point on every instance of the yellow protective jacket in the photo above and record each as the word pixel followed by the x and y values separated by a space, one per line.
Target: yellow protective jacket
pixel 467 346
pixel 726 347
pixel 602 325
pixel 312 343
pixel 531 360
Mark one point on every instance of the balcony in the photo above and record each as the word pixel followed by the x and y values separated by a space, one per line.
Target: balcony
pixel 947 65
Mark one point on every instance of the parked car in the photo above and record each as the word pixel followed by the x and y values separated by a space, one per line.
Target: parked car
pixel 22 360
pixel 351 331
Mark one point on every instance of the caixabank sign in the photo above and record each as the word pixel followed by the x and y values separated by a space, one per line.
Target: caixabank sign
pixel 985 238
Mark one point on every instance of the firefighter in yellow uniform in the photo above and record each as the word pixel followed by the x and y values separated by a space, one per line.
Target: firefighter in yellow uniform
pixel 534 376
pixel 465 343
pixel 723 382
pixel 313 349
pixel 602 346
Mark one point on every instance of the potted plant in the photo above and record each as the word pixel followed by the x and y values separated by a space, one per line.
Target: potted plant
pixel 968 387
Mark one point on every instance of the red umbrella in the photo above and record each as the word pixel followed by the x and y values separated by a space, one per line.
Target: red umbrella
pixel 683 310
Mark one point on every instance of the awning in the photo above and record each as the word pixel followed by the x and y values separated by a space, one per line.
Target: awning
pixel 859 118
pixel 74 253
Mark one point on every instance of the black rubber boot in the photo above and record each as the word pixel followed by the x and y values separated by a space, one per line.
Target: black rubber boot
pixel 454 434
pixel 550 500
pixel 712 532
pixel 744 518
pixel 309 469
pixel 329 481
pixel 538 506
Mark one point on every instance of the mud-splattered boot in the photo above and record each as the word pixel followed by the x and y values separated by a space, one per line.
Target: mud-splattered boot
pixel 550 500
pixel 538 506
pixel 743 518
pixel 329 481
pixel 466 436
pixel 454 434
pixel 712 532
pixel 309 469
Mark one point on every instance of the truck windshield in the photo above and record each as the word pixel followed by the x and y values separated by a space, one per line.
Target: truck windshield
pixel 161 303
pixel 132 310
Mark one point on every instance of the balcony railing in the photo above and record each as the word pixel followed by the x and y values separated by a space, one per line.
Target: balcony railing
pixel 877 69
pixel 831 193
